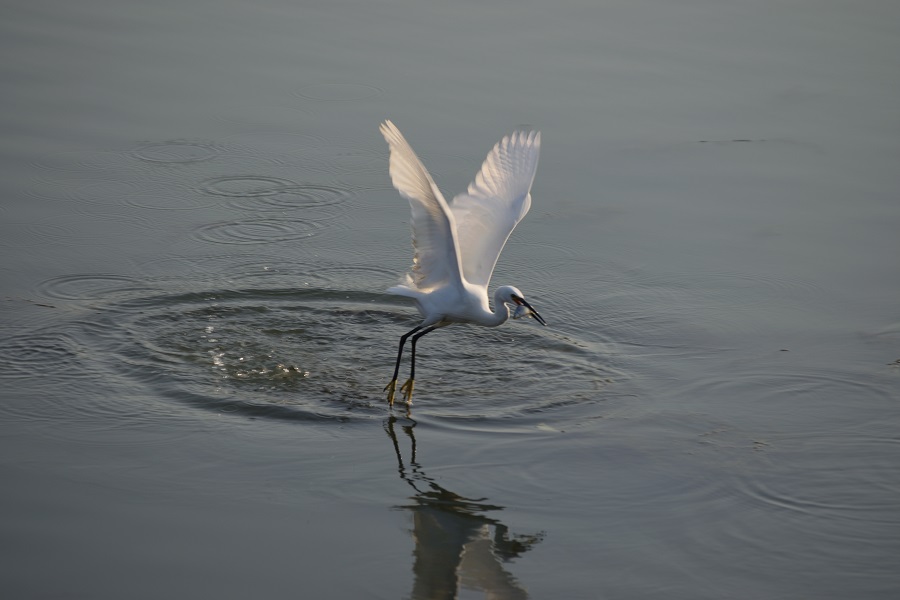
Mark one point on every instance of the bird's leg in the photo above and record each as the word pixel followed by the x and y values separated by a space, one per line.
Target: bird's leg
pixel 391 387
pixel 407 388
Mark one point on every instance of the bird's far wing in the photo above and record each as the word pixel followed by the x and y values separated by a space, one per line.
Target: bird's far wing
pixel 436 258
pixel 495 203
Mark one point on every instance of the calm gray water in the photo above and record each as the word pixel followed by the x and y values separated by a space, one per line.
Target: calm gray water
pixel 197 227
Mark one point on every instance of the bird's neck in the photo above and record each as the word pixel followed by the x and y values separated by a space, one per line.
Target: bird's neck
pixel 500 312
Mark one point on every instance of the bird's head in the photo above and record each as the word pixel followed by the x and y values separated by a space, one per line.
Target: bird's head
pixel 512 295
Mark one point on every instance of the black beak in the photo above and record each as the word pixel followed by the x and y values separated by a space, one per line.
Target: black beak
pixel 534 313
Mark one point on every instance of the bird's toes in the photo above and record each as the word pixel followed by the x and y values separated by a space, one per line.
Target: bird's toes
pixel 407 390
pixel 391 388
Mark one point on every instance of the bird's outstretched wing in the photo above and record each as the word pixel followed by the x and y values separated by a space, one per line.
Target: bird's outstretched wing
pixel 495 203
pixel 436 259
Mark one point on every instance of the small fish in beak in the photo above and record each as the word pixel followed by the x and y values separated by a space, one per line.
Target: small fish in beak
pixel 523 309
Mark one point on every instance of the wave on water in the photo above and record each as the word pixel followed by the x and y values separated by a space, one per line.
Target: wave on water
pixel 309 354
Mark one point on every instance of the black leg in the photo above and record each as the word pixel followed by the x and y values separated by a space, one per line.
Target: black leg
pixel 412 359
pixel 392 384
pixel 403 339
pixel 407 388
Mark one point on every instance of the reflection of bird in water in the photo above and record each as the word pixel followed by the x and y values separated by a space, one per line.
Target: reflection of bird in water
pixel 457 243
pixel 456 544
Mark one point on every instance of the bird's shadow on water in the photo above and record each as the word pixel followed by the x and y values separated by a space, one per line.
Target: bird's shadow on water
pixel 456 543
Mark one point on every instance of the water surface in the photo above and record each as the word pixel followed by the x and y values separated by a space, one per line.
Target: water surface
pixel 198 228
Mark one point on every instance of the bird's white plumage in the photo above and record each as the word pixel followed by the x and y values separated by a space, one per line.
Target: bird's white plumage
pixel 462 240
pixel 495 203
pixel 436 259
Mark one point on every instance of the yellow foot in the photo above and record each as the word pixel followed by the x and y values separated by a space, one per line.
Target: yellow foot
pixel 407 389
pixel 390 388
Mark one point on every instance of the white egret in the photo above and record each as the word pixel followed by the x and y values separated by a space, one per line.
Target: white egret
pixel 457 243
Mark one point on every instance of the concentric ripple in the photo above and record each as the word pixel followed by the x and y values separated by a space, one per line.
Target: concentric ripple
pixel 272 353
pixel 176 151
pixel 91 287
pixel 806 484
pixel 295 197
pixel 29 354
pixel 245 186
pixel 325 354
pixel 68 371
pixel 257 231
pixel 260 193
pixel 807 398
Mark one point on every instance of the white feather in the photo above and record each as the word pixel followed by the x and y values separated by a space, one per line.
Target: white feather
pixel 436 258
pixel 495 202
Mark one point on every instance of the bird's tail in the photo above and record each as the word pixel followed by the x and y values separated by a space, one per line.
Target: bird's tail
pixel 406 288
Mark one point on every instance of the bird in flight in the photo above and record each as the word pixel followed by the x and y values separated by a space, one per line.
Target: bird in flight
pixel 457 243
